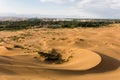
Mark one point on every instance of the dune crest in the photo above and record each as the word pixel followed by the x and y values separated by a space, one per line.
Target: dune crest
pixel 81 59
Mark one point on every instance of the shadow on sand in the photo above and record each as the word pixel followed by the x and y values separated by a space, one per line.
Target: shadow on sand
pixel 108 64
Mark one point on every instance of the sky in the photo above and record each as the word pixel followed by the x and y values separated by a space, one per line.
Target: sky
pixel 62 8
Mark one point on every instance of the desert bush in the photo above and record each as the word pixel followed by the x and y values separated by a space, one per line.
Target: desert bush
pixel 52 57
pixel 18 46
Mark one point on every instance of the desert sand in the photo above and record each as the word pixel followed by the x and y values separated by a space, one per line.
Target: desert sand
pixel 95 54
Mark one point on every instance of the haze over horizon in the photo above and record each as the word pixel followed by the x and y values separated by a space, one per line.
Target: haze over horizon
pixel 61 8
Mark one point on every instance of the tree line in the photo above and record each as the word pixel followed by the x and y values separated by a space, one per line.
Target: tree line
pixel 39 23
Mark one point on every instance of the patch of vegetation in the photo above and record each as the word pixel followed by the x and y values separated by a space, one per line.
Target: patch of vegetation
pixel 69 58
pixel 39 23
pixel 52 57
pixel 53 38
pixel 16 38
pixel 64 38
pixel 26 35
pixel 1 40
pixel 18 25
pixel 82 39
pixel 18 46
pixel 9 48
pixel 22 36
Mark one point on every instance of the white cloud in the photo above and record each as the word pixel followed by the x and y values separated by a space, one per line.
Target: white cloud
pixel 99 8
pixel 57 1
pixel 91 8
pixel 115 4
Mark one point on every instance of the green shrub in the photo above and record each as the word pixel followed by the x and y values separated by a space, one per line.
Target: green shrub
pixel 52 57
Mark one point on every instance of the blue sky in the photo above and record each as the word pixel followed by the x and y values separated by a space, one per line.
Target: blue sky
pixel 71 8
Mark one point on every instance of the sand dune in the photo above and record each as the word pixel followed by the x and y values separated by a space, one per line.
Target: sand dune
pixel 83 60
pixel 95 54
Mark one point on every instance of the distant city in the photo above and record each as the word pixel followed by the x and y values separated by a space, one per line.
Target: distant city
pixel 53 19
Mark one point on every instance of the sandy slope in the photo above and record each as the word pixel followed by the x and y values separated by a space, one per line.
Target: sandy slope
pixel 95 51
